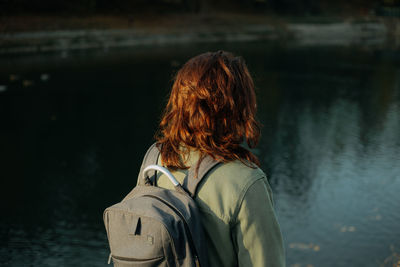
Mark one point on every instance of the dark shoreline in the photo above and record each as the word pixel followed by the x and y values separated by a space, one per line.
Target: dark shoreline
pixel 368 31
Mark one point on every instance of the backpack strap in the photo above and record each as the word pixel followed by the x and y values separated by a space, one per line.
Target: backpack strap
pixel 191 181
pixel 206 164
pixel 150 158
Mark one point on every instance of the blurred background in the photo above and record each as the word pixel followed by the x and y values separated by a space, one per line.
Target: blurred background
pixel 83 84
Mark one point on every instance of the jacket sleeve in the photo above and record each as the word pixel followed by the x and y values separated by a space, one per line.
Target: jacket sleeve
pixel 255 232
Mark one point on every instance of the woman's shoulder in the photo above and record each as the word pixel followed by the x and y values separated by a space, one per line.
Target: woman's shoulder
pixel 238 172
pixel 236 175
pixel 226 185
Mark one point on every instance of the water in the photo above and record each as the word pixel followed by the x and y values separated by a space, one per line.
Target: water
pixel 74 128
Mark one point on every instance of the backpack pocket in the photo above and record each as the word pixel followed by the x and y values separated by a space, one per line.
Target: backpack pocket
pixel 137 240
pixel 129 262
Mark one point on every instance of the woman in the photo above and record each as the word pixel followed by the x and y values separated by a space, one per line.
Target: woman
pixel 211 111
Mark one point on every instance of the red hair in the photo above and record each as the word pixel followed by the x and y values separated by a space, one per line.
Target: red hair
pixel 211 109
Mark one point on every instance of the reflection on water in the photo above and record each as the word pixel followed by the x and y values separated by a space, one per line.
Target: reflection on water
pixel 335 167
pixel 74 131
pixel 63 245
pixel 336 193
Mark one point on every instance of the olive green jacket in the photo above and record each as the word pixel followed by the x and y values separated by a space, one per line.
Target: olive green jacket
pixel 236 206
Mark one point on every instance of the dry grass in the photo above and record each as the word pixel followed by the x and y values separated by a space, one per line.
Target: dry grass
pixel 51 23
pixel 148 22
pixel 155 23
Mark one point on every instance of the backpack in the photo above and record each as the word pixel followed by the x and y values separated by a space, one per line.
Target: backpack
pixel 153 226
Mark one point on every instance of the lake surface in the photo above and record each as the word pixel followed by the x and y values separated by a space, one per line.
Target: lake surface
pixel 74 127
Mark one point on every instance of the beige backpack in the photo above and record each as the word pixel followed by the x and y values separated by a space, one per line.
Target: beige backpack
pixel 153 226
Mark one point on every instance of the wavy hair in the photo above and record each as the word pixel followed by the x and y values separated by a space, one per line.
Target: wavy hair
pixel 211 109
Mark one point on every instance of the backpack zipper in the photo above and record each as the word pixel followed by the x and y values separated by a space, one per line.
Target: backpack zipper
pixel 189 234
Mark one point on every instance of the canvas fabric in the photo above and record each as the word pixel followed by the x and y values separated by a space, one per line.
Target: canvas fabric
pixel 154 226
pixel 236 207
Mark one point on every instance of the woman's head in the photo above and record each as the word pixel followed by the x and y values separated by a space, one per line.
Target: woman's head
pixel 212 109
